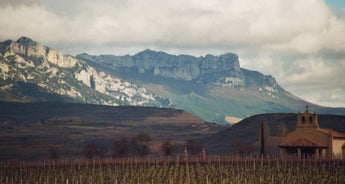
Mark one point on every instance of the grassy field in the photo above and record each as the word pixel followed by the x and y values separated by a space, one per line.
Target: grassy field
pixel 210 170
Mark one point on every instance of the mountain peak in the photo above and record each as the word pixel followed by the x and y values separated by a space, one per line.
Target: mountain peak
pixel 228 55
pixel 30 48
pixel 150 52
pixel 26 41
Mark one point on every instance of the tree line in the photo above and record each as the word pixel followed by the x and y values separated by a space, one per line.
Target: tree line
pixel 137 145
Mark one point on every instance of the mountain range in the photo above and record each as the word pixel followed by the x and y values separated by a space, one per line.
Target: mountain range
pixel 214 88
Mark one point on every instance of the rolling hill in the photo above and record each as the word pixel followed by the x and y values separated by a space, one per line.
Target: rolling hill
pixel 31 130
pixel 243 137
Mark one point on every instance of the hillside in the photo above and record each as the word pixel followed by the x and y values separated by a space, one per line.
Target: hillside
pixel 210 87
pixel 30 130
pixel 244 136
pixel 59 77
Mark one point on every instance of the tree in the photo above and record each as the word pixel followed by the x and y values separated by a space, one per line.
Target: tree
pixel 264 137
pixel 141 143
pixel 194 147
pixel 168 148
pixel 90 151
pixel 52 153
pixel 121 147
pixel 101 151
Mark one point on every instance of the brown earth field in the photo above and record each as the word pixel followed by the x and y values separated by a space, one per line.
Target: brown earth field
pixel 32 130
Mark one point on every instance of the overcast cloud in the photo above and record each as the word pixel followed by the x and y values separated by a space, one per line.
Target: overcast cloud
pixel 300 43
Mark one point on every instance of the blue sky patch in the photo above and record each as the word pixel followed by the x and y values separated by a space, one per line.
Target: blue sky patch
pixel 337 5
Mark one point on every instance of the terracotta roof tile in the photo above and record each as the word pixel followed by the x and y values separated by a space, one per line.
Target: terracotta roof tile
pixel 303 142
pixel 334 133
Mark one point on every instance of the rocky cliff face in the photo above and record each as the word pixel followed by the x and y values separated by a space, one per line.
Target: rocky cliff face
pixel 26 47
pixel 209 69
pixel 27 61
pixel 211 87
pixel 184 67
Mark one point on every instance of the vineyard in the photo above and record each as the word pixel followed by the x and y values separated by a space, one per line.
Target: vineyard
pixel 215 170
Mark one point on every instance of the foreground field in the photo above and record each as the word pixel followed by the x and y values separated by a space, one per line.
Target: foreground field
pixel 213 170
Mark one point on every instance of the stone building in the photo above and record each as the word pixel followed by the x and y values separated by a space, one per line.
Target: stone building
pixel 309 140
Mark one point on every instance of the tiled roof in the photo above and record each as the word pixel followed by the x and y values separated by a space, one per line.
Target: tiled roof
pixel 303 142
pixel 334 133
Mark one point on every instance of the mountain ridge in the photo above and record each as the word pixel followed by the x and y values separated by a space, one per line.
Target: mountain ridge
pixel 180 67
pixel 211 87
pixel 28 61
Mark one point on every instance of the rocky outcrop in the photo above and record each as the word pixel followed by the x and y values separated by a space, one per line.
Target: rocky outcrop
pixel 181 67
pixel 27 61
pixel 29 48
pixel 112 86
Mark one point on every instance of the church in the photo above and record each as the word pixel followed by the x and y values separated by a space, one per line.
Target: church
pixel 309 140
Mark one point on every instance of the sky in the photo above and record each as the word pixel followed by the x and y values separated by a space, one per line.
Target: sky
pixel 300 43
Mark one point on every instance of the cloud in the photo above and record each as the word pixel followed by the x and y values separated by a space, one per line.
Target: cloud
pixel 178 24
pixel 34 21
pixel 18 2
pixel 298 42
pixel 317 78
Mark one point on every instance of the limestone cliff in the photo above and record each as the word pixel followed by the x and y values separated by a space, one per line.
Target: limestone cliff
pixel 29 48
pixel 215 69
pixel 27 63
